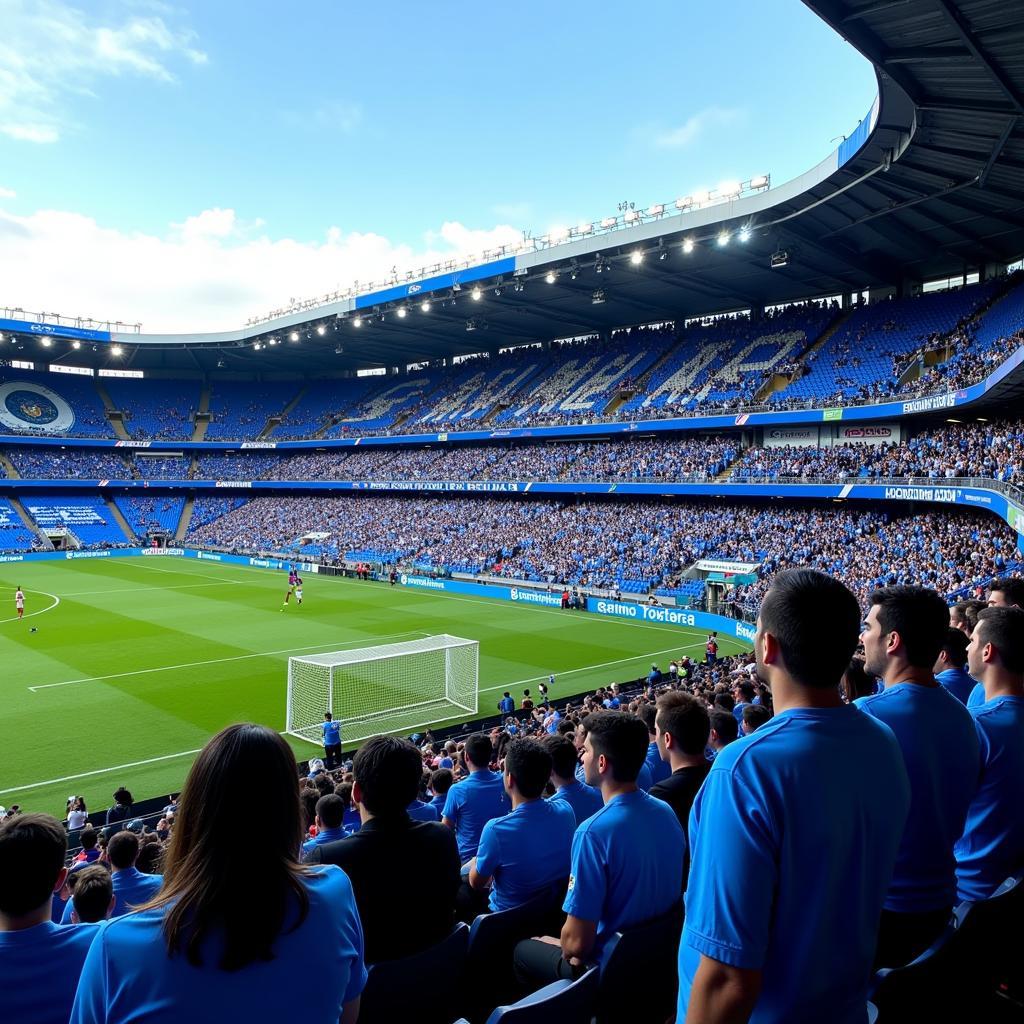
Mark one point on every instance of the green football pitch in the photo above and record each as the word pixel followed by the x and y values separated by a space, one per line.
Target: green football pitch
pixel 133 666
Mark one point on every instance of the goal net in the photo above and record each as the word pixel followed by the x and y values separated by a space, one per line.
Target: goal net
pixel 389 688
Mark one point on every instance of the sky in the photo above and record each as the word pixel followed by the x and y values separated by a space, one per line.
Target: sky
pixel 191 165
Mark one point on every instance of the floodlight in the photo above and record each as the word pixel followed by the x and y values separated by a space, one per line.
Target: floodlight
pixel 688 245
pixel 559 233
pixel 74 344
pixel 257 347
pixel 321 330
pixel 357 322
pixel 294 336
pixel 550 277
pixel 761 181
pixel 723 238
pixel 684 203
pixel 401 312
pixel 46 342
pixel 425 306
pixel 731 189
pixel 657 210
pixel 632 215
pixel 636 256
pixel 744 234
pixel 476 293
pixel 609 222
pixel 585 229
pixel 116 350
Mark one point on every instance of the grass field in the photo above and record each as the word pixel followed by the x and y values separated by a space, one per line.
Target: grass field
pixel 133 666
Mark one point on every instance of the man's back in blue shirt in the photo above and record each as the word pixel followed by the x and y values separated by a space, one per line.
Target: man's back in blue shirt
pixel 472 803
pixel 131 889
pixel 526 851
pixel 977 697
pixel 332 734
pixel 420 811
pixel 959 683
pixel 627 864
pixel 583 799
pixel 781 810
pixel 39 969
pixel 992 846
pixel 325 835
pixel 939 743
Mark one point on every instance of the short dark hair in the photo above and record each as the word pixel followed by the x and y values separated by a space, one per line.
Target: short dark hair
pixel 967 612
pixel 441 781
pixel 621 738
pixel 564 757
pixel 648 714
pixel 1012 589
pixel 88 837
pixel 479 749
pixel 755 715
pixel 919 616
pixel 725 702
pixel 685 719
pixel 122 796
pixel 387 771
pixel 816 621
pixel 93 891
pixel 32 849
pixel 1004 629
pixel 955 646
pixel 529 763
pixel 328 716
pixel 724 724
pixel 123 849
pixel 330 809
pixel 746 688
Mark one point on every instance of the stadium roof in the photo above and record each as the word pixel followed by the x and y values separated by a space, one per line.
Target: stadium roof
pixel 929 186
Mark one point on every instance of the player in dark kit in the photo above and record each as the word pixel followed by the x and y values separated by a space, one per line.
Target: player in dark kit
pixel 293 582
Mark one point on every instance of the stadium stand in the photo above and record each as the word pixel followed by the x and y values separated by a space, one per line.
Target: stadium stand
pixel 145 514
pixel 159 410
pixel 87 518
pixel 51 463
pixel 13 534
pixel 79 393
pixel 162 467
pixel 235 466
pixel 241 409
pixel 207 510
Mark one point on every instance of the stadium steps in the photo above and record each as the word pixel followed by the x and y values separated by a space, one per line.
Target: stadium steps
pixel 807 356
pixel 727 472
pixel 193 466
pixel 186 517
pixel 202 416
pixel 30 523
pixel 114 415
pixel 9 469
pixel 277 418
pixel 776 382
pixel 115 514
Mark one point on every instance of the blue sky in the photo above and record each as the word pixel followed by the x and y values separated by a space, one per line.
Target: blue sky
pixel 244 155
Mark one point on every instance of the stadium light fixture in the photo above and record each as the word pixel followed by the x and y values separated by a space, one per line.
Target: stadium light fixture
pixel 684 202
pixel 744 234
pixel 687 245
pixel 1 337
pixel 723 238
pixel 636 257
pixel 585 228
pixel 116 350
pixel 321 330
pixel 46 342
pixel 425 305
pixel 257 347
pixel 631 216
pixel 761 181
pixel 273 341
pixel 609 222
pixel 730 189
pixel 551 277
pixel 656 210
pixel 294 336
pixel 357 322
pixel 558 234
pixel 76 344
pixel 401 312
pixel 476 293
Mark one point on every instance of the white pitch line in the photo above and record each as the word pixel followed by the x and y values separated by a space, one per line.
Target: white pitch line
pixel 177 572
pixel 41 611
pixel 216 661
pixel 187 753
pixel 145 590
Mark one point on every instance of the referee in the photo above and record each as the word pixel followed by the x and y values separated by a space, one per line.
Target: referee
pixel 332 741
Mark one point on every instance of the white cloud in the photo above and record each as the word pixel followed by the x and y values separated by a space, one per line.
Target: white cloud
pixel 7 193
pixel 695 126
pixel 211 272
pixel 51 51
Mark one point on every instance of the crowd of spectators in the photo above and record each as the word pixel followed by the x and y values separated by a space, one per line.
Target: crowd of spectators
pixel 55 463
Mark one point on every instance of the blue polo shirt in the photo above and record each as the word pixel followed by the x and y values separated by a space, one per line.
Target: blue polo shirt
pixel 471 804
pixel 992 846
pixel 627 864
pixel 39 969
pixel 420 811
pixel 437 802
pixel 977 697
pixel 658 768
pixel 131 889
pixel 583 799
pixel 332 734
pixel 507 705
pixel 781 810
pixel 128 975
pixel 940 749
pixel 325 835
pixel 958 681
pixel 737 710
pixel 526 851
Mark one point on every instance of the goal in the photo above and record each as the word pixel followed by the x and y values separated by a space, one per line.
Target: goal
pixel 384 689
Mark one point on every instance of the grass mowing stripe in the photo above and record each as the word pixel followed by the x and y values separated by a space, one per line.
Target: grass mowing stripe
pixel 39 611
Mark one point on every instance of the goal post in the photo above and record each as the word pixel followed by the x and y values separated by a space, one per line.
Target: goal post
pixel 387 688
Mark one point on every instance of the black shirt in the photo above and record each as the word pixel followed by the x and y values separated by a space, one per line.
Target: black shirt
pixel 680 789
pixel 405 875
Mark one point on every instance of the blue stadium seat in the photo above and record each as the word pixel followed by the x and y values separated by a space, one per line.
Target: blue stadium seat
pixel 561 1002
pixel 426 987
pixel 647 951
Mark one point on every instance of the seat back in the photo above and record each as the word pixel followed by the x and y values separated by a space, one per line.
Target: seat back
pixel 394 989
pixel 991 954
pixel 561 1002
pixel 648 951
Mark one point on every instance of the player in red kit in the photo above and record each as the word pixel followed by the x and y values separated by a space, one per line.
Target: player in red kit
pixel 19 602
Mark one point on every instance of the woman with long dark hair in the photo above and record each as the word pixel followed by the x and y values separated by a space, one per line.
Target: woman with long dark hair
pixel 238 919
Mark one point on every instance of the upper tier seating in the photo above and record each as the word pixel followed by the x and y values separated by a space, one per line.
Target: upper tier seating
pixel 241 408
pixel 53 463
pixel 41 416
pixel 158 410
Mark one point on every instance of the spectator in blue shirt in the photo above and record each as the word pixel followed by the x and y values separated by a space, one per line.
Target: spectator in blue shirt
pixel 420 810
pixel 93 898
pixel 627 860
pixel 654 676
pixel 507 703
pixel 743 693
pixel 808 810
pixel 332 741
pixel 643 780
pixel 441 781
pixel 525 852
pixel 39 960
pixel 903 634
pixel 330 818
pixel 230 929
pixel 1004 593
pixel 659 768
pixel 131 887
pixel 475 800
pixel 992 846
pixel 950 668
pixel 583 799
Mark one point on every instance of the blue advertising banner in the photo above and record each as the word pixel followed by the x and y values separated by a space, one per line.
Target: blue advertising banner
pixel 53 330
pixel 414 289
pixel 742 631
